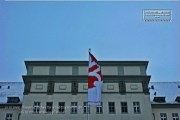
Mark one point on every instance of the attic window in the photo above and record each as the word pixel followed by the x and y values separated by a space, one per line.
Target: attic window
pixel 159 99
pixel 13 100
pixel 177 99
pixel 8 87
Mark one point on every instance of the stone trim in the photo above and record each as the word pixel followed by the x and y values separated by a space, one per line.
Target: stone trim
pixel 52 70
pixel 122 87
pixel 145 87
pixel 27 87
pixel 50 88
pixel 74 88
pixel 82 63
pixel 165 105
pixel 84 78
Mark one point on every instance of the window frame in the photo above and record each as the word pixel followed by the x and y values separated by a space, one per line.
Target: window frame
pixel 86 108
pixel 36 107
pixel 175 117
pixel 76 108
pixel 11 116
pixel 111 108
pixel 99 108
pixel 163 116
pixel 123 107
pixel 61 107
pixel 50 109
pixel 136 111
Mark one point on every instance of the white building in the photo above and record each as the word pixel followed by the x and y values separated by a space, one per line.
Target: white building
pixel 58 90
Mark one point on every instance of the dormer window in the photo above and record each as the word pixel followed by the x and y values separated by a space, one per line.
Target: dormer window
pixel 159 99
pixel 177 99
pixel 13 100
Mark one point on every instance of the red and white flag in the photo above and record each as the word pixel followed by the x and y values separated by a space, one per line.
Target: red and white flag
pixel 95 81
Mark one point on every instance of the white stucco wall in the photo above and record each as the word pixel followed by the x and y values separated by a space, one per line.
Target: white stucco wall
pixel 41 70
pixel 168 111
pixel 146 112
pixel 134 87
pixel 109 70
pixel 14 112
pixel 63 70
pixel 132 70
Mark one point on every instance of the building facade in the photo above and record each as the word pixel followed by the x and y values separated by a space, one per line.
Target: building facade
pixel 58 90
pixel 125 93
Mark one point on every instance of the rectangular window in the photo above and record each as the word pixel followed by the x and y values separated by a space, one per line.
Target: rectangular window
pixel 74 107
pixel 124 107
pixel 36 107
pixel 99 109
pixel 49 107
pixel 111 107
pixel 136 106
pixel 61 107
pixel 163 116
pixel 86 108
pixel 9 116
pixel 175 116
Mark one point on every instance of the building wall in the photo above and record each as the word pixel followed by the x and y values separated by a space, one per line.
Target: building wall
pixel 15 112
pixel 145 106
pixel 168 110
pixel 83 70
pixel 61 87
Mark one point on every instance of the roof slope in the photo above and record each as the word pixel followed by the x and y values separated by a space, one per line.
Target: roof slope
pixel 169 90
pixel 15 89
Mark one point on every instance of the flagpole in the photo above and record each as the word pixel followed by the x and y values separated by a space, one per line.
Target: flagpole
pixel 88 106
pixel 89 49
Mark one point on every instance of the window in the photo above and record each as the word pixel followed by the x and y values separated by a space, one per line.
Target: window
pixel 177 99
pixel 9 116
pixel 86 108
pixel 13 99
pixel 136 106
pixel 163 116
pixel 124 107
pixel 61 107
pixel 159 99
pixel 36 107
pixel 99 109
pixel 111 107
pixel 175 116
pixel 74 107
pixel 49 107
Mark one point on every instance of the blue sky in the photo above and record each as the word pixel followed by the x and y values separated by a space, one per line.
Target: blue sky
pixel 66 30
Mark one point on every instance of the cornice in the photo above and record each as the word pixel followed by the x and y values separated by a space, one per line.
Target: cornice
pixel 85 63
pixel 165 105
pixel 84 78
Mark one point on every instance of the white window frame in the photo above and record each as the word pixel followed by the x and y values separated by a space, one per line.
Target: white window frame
pixel 163 116
pixel 74 107
pixel 9 116
pixel 86 108
pixel 175 116
pixel 99 108
pixel 36 107
pixel 136 106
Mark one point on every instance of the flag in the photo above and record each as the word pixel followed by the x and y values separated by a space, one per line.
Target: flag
pixel 95 81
